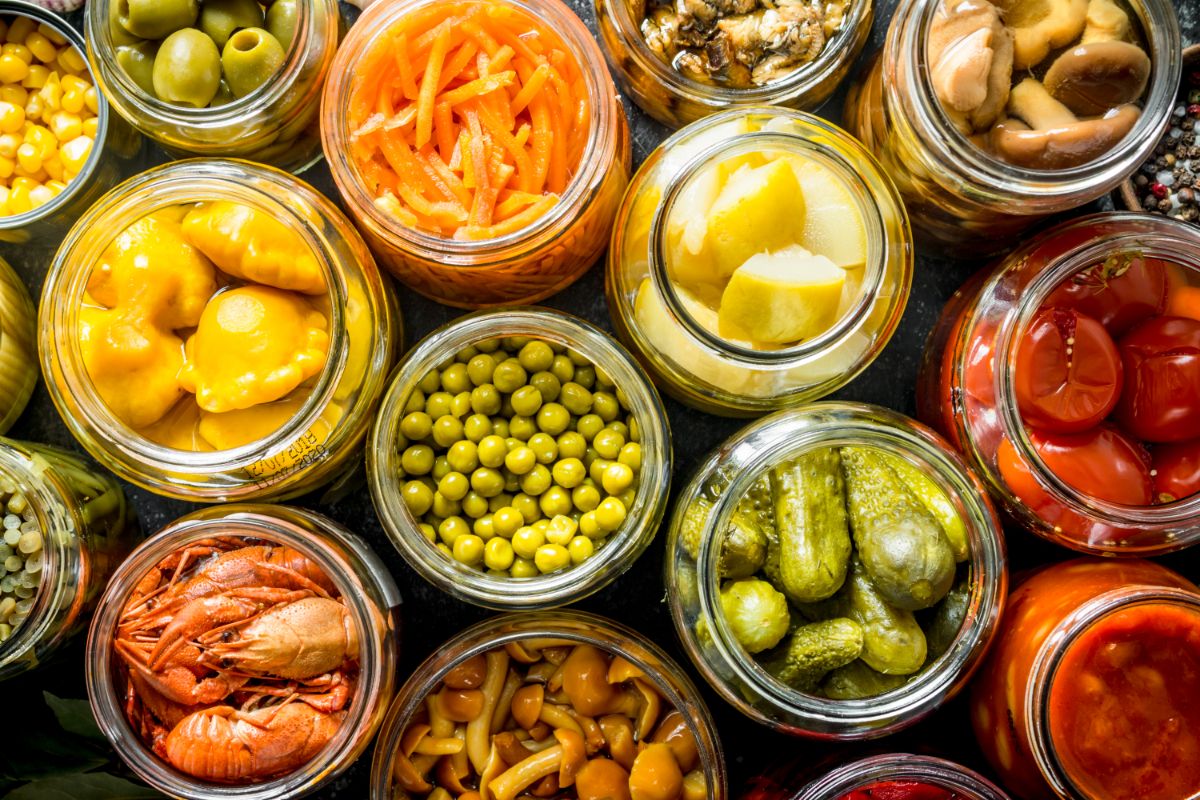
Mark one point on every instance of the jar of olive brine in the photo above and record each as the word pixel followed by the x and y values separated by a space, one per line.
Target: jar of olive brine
pixel 66 527
pixel 239 80
pixel 835 571
pixel 217 330
pixel 992 116
pixel 715 224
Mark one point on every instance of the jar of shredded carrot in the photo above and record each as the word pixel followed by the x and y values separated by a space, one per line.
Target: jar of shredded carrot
pixel 480 146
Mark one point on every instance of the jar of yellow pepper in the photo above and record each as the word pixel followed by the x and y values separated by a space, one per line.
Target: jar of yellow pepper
pixel 216 330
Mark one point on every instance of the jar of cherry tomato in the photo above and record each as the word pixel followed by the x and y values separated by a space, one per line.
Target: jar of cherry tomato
pixel 1069 376
pixel 1090 691
pixel 892 776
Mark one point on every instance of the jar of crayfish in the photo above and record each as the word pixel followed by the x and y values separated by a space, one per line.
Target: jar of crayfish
pixel 481 147
pixel 1069 377
pixel 559 703
pixel 835 571
pixel 992 116
pixel 66 527
pixel 289 328
pixel 719 222
pixel 244 651
pixel 207 79
pixel 888 776
pixel 1089 692
pixel 681 62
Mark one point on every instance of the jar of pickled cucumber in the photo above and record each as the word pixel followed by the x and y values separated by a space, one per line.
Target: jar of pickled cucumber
pixel 237 80
pixel 18 347
pixel 760 259
pixel 835 571
pixel 889 776
pixel 648 731
pixel 299 676
pixel 981 155
pixel 521 459
pixel 65 528
pixel 289 328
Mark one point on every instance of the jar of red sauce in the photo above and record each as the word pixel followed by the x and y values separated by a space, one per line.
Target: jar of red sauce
pixel 1069 377
pixel 1092 688
pixel 891 776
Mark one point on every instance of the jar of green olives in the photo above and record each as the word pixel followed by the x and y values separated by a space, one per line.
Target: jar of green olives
pixel 237 78
pixel 520 459
pixel 64 528
pixel 835 571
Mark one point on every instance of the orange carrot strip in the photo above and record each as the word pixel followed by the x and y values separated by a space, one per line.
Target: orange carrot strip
pixel 543 137
pixel 408 81
pixel 457 63
pixel 501 59
pixel 481 37
pixel 531 87
pixel 511 225
pixel 506 141
pixel 429 83
pixel 476 88
pixel 444 131
pixel 522 134
pixel 556 174
pixel 414 183
pixel 514 203
pixel 448 177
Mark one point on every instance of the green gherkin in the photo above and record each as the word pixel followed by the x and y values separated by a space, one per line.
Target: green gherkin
pixel 813 650
pixel 810 519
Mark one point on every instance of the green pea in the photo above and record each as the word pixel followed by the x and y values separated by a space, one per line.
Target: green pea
pixel 507 521
pixel 430 383
pixel 487 482
pixel 445 507
pixel 500 428
pixel 416 402
pixel 454 486
pixel 569 472
pixel 520 460
pixel 619 427
pixel 485 399
pixel 417 425
pixel 455 379
pixel 428 531
pixel 527 540
pixel 562 528
pixel 536 356
pixel 491 451
pixel 447 430
pixel 498 554
pixel 418 497
pixel 522 427
pixel 606 406
pixel 509 376
pixel 438 404
pixel 465 355
pixel 577 399
pixel 463 456
pixel 571 445
pixel 596 470
pixel 451 528
pixel 631 456
pixel 474 505
pixel 589 456
pixel 536 481
pixel 622 398
pixel 544 448
pixel 589 425
pixel 578 358
pixel 468 549
pixel 480 369
pixel 589 525
pixel 610 514
pixel 528 507
pixel 602 379
pixel 441 467
pixel 555 501
pixel 553 419
pixel 417 460
pixel 585 497
pixel 526 401
pixel 547 386
pixel 551 557
pixel 512 482
pixel 477 427
pixel 617 477
pixel 635 430
pixel 628 497
pixel 586 377
pixel 562 369
pixel 484 527
pixel 523 568
pixel 460 405
pixel 502 500
pixel 608 443
pixel 506 406
pixel 487 345
pixel 515 343
pixel 580 549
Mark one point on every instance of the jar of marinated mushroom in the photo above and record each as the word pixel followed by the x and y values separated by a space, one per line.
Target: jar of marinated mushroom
pixel 991 116
pixel 66 527
pixel 567 703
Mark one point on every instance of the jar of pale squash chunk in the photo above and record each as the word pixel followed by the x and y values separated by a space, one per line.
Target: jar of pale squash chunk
pixel 217 330
pixel 761 259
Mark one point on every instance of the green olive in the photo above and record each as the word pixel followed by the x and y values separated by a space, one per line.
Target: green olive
pixel 223 97
pixel 138 62
pixel 220 18
pixel 120 36
pixel 187 69
pixel 281 22
pixel 156 19
pixel 251 57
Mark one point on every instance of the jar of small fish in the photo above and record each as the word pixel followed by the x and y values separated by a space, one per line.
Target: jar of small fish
pixel 235 79
pixel 991 116
pixel 289 328
pixel 683 60
pixel 18 346
pixel 245 651
pixel 64 527
pixel 562 704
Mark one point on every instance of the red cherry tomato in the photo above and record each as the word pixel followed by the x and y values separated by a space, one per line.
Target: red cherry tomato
pixel 1102 462
pixel 1069 372
pixel 907 790
pixel 1176 471
pixel 1118 293
pixel 1161 398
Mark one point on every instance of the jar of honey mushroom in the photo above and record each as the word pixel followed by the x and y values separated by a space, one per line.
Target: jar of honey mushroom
pixel 216 330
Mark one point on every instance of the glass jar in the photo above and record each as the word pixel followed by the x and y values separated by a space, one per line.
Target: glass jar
pixel 323 436
pixel 966 386
pixel 1012 701
pixel 694 583
pixel 674 99
pixel 87 527
pixel 954 781
pixel 622 547
pixel 361 580
pixel 275 124
pixel 709 372
pixel 570 627
pixel 520 267
pixel 114 146
pixel 18 347
pixel 962 199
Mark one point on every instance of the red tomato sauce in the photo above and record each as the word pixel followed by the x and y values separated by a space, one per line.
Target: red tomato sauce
pixel 1124 711
pixel 902 790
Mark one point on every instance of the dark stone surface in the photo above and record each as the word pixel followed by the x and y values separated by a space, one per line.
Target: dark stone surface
pixel 637 598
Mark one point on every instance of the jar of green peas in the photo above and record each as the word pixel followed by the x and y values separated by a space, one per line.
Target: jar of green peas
pixel 64 527
pixel 521 459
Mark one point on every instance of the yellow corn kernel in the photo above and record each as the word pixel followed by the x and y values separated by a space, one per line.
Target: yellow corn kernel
pixel 41 47
pixel 92 100
pixel 35 107
pixel 9 142
pixel 75 154
pixel 12 117
pixel 66 126
pixel 73 83
pixel 29 156
pixel 12 69
pixel 19 200
pixel 52 92
pixel 40 196
pixel 56 38
pixel 19 50
pixel 17 95
pixel 90 126
pixel 56 186
pixel 54 168
pixel 72 101
pixel 36 177
pixel 71 59
pixel 37 77
pixel 41 138
pixel 19 29
pixel 7 167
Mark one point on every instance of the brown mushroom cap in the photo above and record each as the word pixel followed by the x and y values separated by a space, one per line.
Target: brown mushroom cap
pixel 1092 78
pixel 1064 147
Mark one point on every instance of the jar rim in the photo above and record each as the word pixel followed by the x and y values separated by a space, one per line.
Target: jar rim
pixel 579 626
pixel 789 89
pixel 25 8
pixel 556 588
pixel 1049 658
pixel 844 423
pixel 583 186
pixel 333 549
pixel 170 184
pixel 998 180
pixel 902 766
